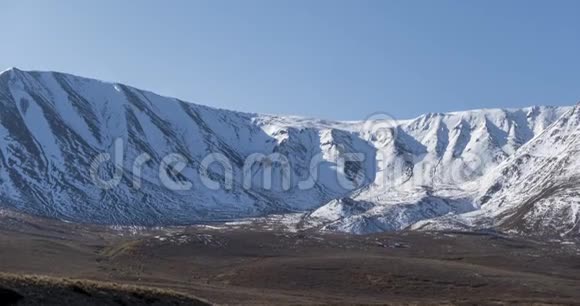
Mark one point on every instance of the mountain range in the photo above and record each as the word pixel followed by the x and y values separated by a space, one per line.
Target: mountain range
pixel 62 136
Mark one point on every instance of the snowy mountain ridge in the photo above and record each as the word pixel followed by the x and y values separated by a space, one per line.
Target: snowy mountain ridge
pixel 536 190
pixel 359 177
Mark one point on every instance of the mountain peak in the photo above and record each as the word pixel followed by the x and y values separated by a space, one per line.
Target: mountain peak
pixel 11 69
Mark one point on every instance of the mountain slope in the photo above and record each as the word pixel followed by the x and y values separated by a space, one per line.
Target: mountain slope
pixel 54 126
pixel 438 174
pixel 536 191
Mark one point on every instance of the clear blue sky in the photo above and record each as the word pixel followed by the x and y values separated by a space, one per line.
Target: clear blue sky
pixel 323 58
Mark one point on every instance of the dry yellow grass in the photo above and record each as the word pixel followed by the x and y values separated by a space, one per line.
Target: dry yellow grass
pixel 38 289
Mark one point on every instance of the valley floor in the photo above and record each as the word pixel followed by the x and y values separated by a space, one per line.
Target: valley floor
pixel 229 266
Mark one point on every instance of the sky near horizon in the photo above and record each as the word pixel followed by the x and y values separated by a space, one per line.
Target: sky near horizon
pixel 333 59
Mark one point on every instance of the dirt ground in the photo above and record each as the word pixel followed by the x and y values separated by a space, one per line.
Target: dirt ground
pixel 229 266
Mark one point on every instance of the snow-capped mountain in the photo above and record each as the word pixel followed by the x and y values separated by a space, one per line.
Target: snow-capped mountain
pixel 535 191
pixel 53 126
pixel 433 168
pixel 60 136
